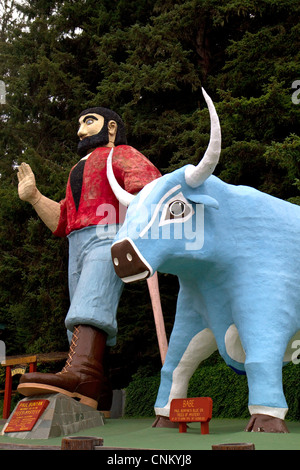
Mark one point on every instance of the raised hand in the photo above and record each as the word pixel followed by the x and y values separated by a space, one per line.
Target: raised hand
pixel 27 187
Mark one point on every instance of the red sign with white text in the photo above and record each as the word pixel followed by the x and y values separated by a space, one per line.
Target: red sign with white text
pixel 188 410
pixel 26 415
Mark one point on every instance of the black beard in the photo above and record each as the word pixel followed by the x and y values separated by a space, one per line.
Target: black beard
pixel 88 144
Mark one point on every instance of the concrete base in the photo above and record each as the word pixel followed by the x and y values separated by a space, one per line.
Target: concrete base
pixel 63 416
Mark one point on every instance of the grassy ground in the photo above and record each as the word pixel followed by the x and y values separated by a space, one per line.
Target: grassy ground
pixel 139 434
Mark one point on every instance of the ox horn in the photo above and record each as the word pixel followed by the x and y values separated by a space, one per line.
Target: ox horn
pixel 123 196
pixel 196 175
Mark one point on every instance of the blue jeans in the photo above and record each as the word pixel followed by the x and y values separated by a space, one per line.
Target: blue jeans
pixel 94 287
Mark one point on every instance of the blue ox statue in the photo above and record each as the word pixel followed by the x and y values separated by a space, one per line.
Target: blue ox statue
pixel 236 253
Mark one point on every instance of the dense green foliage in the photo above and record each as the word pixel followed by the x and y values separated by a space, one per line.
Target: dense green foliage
pixel 228 390
pixel 147 60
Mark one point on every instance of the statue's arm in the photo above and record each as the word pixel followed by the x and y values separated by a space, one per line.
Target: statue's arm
pixel 47 210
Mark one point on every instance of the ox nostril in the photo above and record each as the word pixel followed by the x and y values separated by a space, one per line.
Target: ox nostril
pixel 129 257
pixel 116 262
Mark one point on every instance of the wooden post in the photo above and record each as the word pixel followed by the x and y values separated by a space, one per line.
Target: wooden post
pixel 8 363
pixel 182 427
pixel 7 393
pixel 158 316
pixel 81 443
pixel 205 427
pixel 234 446
pixel 32 366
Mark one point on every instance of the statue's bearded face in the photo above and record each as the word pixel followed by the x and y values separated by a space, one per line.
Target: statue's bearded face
pixel 93 133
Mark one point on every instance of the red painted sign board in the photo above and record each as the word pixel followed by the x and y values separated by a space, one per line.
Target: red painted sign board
pixel 26 415
pixel 188 410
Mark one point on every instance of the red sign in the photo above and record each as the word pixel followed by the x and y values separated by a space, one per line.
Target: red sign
pixel 26 415
pixel 188 410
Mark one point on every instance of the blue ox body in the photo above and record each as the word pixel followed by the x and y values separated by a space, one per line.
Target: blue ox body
pixel 236 253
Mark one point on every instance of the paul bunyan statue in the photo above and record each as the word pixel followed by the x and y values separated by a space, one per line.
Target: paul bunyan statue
pixel 89 216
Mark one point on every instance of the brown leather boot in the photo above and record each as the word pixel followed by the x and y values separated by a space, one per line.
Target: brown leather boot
pixel 82 377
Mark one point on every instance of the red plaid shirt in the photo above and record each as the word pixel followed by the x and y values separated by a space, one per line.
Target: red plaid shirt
pixel 97 203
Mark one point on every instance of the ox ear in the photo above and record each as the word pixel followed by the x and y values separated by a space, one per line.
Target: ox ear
pixel 204 199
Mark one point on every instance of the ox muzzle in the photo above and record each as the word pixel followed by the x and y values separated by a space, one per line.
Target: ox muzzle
pixel 129 263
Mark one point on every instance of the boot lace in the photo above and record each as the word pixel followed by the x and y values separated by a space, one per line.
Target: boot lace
pixel 71 350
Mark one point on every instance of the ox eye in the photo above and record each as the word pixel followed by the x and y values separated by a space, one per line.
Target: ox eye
pixel 176 209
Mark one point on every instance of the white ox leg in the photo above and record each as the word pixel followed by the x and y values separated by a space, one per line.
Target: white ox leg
pixel 174 381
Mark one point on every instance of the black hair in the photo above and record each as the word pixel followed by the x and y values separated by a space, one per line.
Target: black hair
pixel 109 115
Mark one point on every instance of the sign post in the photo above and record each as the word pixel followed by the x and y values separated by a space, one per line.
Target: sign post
pixel 188 410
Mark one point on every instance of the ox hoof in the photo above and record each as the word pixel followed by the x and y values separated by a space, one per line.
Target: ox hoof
pixel 164 422
pixel 266 423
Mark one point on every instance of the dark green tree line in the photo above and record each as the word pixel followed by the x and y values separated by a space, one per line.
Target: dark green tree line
pixel 147 60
